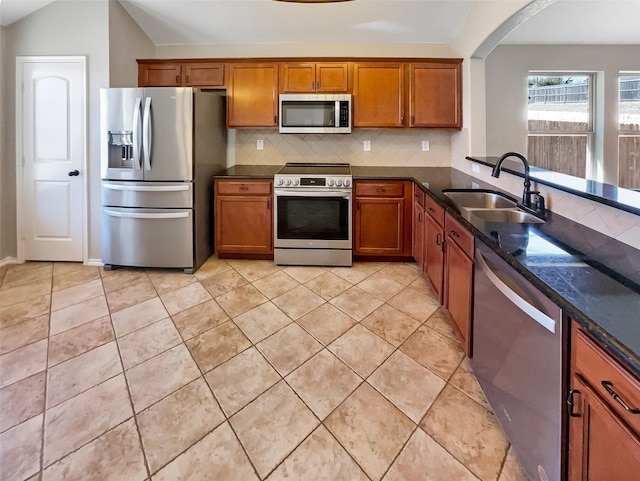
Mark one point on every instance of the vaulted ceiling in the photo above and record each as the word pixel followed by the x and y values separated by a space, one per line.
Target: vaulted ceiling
pixel 238 22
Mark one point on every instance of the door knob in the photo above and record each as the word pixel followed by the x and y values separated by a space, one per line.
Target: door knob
pixel 74 173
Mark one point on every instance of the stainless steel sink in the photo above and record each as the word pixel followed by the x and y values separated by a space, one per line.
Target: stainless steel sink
pixel 506 215
pixel 480 199
pixel 490 206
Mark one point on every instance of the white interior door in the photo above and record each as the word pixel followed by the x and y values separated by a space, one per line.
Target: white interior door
pixel 51 114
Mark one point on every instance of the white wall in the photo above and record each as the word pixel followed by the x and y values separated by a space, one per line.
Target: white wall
pixel 127 42
pixel 7 171
pixel 507 69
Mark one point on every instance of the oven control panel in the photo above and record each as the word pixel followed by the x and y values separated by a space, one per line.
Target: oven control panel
pixel 297 181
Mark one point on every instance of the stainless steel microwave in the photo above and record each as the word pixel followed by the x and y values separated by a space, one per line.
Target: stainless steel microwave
pixel 315 114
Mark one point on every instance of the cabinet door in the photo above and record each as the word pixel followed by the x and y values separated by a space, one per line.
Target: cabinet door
pixel 418 234
pixel 434 254
pixel 204 74
pixel 315 77
pixel 298 77
pixel 244 224
pixel 159 75
pixel 332 77
pixel 601 445
pixel 252 95
pixel 378 95
pixel 458 291
pixel 379 226
pixel 435 95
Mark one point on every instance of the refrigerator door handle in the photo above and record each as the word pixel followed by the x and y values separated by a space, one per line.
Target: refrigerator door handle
pixel 144 215
pixel 147 134
pixel 148 188
pixel 136 134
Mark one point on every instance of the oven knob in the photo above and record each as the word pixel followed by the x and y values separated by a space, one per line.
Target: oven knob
pixel 338 182
pixel 287 181
pixel 347 182
pixel 330 182
pixel 295 182
pixel 278 181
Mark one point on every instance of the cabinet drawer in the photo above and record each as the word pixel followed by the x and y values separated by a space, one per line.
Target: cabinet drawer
pixel 434 209
pixel 379 189
pixel 459 235
pixel 601 371
pixel 232 187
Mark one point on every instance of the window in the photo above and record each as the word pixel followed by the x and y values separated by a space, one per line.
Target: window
pixel 629 131
pixel 560 119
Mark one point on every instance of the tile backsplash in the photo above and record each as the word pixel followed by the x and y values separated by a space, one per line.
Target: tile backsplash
pixel 402 147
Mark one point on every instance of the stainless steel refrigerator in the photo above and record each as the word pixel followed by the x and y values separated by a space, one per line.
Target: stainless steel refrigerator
pixel 160 148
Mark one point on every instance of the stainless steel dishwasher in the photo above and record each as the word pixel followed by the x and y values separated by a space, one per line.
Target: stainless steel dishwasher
pixel 518 360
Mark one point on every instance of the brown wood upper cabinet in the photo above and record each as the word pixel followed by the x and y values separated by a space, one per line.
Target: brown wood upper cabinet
pixel 180 74
pixel 378 94
pixel 162 74
pixel 604 421
pixel 435 95
pixel 314 77
pixel 252 95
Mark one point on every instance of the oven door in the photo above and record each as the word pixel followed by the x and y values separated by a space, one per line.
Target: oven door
pixel 312 219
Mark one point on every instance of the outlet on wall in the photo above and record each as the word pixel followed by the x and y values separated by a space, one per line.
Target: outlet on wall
pixel 475 168
pixel 367 145
pixel 425 146
pixel 260 144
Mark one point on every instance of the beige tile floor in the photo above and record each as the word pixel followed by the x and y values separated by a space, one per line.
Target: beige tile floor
pixel 243 371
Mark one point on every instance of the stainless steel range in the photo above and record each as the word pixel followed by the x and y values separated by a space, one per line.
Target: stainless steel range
pixel 312 217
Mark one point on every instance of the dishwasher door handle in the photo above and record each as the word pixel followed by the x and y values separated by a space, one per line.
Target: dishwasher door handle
pixel 537 315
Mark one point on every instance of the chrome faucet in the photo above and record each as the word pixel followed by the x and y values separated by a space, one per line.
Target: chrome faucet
pixel 527 193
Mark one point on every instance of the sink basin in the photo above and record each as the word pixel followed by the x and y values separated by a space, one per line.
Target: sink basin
pixel 474 199
pixel 505 215
pixel 489 206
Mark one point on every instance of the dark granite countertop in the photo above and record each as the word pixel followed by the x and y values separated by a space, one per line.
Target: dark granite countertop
pixel 593 278
pixel 250 171
pixel 607 194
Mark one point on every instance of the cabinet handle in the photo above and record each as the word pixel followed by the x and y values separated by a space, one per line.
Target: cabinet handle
pixel 268 204
pixel 438 239
pixel 379 190
pixel 454 234
pixel 608 385
pixel 571 403
pixel 187 79
pixel 419 216
pixel 275 120
pixel 243 187
pixel 178 79
pixel 430 209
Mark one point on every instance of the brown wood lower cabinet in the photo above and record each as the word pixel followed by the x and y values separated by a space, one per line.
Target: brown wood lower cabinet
pixel 382 219
pixel 458 280
pixel 434 246
pixel 604 422
pixel 244 218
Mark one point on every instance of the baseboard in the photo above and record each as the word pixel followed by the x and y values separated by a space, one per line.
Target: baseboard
pixel 94 262
pixel 9 260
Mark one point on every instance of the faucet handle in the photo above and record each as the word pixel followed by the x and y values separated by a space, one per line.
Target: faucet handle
pixel 540 207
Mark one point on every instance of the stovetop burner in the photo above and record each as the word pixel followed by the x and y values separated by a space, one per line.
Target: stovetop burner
pixel 294 168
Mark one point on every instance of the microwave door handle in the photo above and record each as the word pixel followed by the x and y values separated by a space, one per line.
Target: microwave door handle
pixel 147 134
pixel 136 134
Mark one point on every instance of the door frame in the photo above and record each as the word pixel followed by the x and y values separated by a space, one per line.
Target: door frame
pixel 20 213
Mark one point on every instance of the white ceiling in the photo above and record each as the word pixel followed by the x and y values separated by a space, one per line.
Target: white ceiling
pixel 237 22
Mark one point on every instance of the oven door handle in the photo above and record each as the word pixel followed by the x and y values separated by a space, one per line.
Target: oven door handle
pixel 313 193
